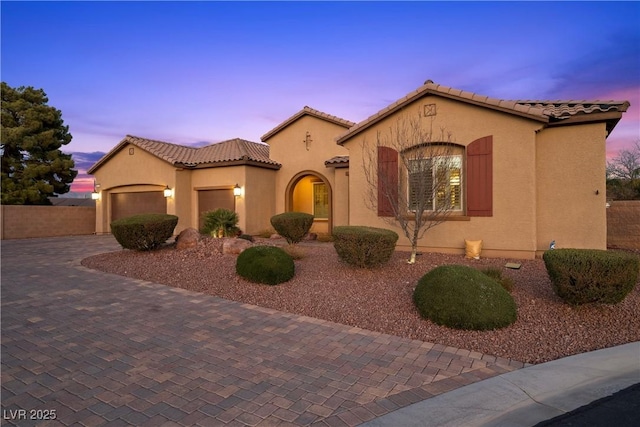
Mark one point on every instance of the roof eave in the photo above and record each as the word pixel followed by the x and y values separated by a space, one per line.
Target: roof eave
pixel 227 163
pixel 108 156
pixel 481 101
pixel 306 111
pixel 611 119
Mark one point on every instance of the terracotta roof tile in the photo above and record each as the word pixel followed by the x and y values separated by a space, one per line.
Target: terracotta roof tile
pixel 337 160
pixel 543 111
pixel 217 153
pixel 311 112
pixel 565 109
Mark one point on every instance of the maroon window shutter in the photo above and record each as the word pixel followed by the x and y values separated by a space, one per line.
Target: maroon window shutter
pixel 480 177
pixel 387 180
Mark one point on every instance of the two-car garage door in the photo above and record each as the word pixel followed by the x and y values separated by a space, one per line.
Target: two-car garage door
pixel 127 204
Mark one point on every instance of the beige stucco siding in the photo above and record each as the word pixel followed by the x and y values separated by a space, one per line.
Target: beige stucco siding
pixel 146 171
pixel 571 168
pixel 258 199
pixel 512 227
pixel 288 148
pixel 183 196
pixel 341 197
pixel 254 207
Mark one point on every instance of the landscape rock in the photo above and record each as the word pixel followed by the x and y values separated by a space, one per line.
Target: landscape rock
pixel 188 238
pixel 276 236
pixel 235 246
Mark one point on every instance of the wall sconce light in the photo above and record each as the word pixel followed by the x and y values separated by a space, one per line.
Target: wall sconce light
pixel 237 191
pixel 95 195
pixel 168 192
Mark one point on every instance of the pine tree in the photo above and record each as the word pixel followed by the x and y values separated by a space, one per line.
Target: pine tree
pixel 33 167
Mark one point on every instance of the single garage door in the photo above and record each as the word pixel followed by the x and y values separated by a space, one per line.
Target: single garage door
pixel 127 204
pixel 210 200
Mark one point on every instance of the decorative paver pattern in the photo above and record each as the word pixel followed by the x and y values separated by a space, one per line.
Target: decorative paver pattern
pixel 101 349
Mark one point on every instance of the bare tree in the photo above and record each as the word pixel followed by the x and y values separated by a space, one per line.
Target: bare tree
pixel 626 165
pixel 413 177
pixel 623 174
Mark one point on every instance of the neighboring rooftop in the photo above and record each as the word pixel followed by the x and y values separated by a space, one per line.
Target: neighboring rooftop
pixel 540 110
pixel 225 153
pixel 310 112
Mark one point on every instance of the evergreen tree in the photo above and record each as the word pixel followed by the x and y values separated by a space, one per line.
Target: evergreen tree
pixel 33 167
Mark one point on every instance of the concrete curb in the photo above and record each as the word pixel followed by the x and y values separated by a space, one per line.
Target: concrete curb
pixel 526 396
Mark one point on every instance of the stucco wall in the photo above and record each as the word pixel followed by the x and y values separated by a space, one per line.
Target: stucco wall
pixel 571 187
pixel 623 224
pixel 259 199
pixel 20 222
pixel 288 148
pixel 141 168
pixel 512 228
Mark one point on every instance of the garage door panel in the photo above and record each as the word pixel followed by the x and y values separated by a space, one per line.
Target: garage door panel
pixel 127 204
pixel 210 200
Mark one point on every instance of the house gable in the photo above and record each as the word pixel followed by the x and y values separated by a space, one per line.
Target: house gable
pixel 232 152
pixel 552 113
pixel 307 111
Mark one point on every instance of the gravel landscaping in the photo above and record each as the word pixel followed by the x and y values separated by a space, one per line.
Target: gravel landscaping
pixel 381 299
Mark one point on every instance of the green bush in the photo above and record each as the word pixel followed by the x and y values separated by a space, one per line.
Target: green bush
pixel 265 264
pixel 364 246
pixel 581 276
pixel 143 232
pixel 464 298
pixel 496 274
pixel 293 226
pixel 220 221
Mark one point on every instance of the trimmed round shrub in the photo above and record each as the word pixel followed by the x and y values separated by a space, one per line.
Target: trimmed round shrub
pixel 293 226
pixel 265 264
pixel 220 221
pixel 462 297
pixel 364 247
pixel 582 276
pixel 143 232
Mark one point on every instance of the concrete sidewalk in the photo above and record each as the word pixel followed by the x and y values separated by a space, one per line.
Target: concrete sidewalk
pixel 526 396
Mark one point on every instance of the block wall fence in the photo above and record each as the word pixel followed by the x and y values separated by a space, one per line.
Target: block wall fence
pixel 623 224
pixel 22 222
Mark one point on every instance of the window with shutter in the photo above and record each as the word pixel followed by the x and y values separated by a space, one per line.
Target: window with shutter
pixel 479 177
pixel 435 183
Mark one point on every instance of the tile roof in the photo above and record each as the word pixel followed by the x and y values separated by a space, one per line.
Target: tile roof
pixel 310 112
pixel 337 161
pixel 543 111
pixel 564 109
pixel 218 154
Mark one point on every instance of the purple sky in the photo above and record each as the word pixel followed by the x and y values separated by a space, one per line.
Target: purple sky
pixel 203 72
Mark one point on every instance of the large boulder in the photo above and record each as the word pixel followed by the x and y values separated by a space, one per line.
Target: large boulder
pixel 188 238
pixel 235 246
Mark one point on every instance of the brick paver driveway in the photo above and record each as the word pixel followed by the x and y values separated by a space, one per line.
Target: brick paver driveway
pixel 89 348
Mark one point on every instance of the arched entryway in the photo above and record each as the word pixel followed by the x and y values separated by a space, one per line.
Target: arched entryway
pixel 310 192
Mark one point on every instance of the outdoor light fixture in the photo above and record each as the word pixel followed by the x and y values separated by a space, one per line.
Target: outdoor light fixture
pixel 237 191
pixel 95 195
pixel 168 192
